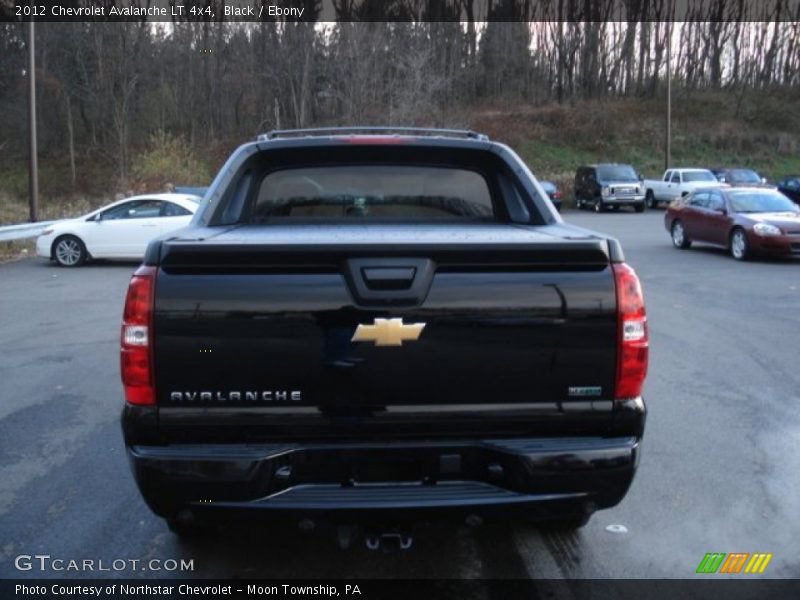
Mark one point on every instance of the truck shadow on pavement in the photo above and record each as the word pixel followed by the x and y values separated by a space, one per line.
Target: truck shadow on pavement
pixel 438 551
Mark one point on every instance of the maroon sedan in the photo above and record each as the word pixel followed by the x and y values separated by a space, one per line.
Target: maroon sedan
pixel 747 221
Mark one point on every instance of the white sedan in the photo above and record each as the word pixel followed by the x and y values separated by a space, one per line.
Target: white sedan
pixel 120 230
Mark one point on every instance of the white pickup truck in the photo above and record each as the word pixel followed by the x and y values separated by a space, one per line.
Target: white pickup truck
pixel 677 183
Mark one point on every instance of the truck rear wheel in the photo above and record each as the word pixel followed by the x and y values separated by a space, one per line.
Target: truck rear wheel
pixel 650 199
pixel 189 529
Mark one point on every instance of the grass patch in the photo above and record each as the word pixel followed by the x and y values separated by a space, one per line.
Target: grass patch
pixel 169 159
pixel 708 130
pixel 17 250
pixel 14 210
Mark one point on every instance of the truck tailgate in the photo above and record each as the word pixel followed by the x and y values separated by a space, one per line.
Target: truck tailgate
pixel 254 333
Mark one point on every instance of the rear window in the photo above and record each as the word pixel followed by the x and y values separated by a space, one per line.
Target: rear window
pixel 373 192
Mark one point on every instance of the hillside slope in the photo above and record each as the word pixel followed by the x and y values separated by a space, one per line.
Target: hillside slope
pixel 756 130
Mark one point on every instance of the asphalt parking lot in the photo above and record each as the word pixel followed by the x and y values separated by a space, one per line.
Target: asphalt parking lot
pixel 719 471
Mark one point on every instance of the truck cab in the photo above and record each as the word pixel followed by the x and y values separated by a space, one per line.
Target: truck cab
pixel 677 183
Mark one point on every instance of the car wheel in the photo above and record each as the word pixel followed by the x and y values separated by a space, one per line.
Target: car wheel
pixel 740 249
pixel 69 251
pixel 650 199
pixel 639 207
pixel 679 237
pixel 578 203
pixel 598 206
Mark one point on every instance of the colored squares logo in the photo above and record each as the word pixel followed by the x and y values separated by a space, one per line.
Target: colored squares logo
pixel 734 563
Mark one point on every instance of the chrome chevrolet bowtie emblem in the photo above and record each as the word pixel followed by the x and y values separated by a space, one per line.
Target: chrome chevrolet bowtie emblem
pixel 388 332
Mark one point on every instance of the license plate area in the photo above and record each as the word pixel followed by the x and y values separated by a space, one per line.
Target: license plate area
pixel 353 468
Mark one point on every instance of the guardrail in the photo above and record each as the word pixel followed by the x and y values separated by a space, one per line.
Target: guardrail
pixel 25 230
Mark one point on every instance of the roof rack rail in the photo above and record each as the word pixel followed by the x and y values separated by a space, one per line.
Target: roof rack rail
pixel 333 131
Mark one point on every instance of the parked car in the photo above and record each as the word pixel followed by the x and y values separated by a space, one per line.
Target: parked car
pixel 676 183
pixel 192 190
pixel 120 230
pixel 790 187
pixel 747 221
pixel 553 193
pixel 739 177
pixel 608 185
pixel 388 343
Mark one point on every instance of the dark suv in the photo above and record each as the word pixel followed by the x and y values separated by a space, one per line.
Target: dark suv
pixel 608 185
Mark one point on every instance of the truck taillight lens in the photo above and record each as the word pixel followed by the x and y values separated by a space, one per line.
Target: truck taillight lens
pixel 633 344
pixel 136 351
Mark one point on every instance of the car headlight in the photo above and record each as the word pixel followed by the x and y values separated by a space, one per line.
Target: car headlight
pixel 605 191
pixel 766 229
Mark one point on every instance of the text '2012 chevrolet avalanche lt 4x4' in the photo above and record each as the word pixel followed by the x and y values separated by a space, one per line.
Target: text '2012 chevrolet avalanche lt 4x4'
pixel 387 326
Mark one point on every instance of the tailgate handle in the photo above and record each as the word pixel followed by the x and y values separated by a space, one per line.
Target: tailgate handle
pixel 388 278
pixel 389 281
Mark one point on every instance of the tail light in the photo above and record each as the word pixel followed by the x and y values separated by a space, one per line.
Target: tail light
pixel 633 344
pixel 557 194
pixel 136 352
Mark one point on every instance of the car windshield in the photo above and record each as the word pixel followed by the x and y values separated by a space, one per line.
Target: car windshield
pixel 698 176
pixel 373 192
pixel 756 202
pixel 743 176
pixel 617 173
pixel 548 186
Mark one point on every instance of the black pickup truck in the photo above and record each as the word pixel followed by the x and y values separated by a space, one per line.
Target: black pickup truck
pixel 382 325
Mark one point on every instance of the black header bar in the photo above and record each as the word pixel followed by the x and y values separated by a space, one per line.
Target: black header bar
pixel 418 11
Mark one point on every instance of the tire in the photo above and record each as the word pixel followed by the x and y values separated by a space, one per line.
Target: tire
pixel 69 251
pixel 189 530
pixel 639 207
pixel 599 206
pixel 739 246
pixel 679 237
pixel 650 199
pixel 578 202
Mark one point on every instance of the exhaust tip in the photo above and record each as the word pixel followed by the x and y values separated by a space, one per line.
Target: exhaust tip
pixel 389 542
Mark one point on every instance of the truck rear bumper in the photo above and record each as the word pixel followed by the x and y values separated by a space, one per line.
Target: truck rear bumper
pixel 623 200
pixel 545 478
